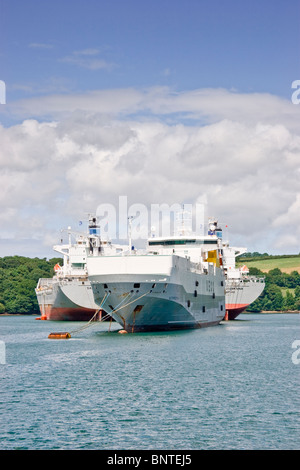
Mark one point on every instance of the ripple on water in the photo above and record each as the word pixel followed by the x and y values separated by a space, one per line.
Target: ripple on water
pixel 233 387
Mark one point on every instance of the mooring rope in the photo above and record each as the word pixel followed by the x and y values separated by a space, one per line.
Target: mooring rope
pixel 94 316
pixel 118 307
pixel 134 300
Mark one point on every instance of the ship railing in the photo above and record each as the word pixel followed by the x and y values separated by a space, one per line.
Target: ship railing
pixel 71 273
pixel 44 283
pixel 200 268
pixel 66 279
pixel 254 278
pixel 196 268
pixel 245 279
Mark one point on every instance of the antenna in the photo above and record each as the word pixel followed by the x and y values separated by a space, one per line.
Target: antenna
pixel 130 223
pixel 184 224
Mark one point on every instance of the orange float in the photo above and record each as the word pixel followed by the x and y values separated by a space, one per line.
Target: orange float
pixel 63 335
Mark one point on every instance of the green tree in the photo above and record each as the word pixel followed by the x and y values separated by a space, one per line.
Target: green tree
pixel 18 278
pixel 275 276
pixel 273 299
pixel 293 280
pixel 289 301
pixel 255 272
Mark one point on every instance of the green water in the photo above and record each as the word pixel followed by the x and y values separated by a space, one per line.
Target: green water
pixel 234 386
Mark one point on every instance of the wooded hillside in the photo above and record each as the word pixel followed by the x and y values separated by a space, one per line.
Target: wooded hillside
pixel 282 291
pixel 18 279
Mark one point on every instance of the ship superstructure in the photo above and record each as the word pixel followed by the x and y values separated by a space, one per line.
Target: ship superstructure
pixel 68 295
pixel 241 288
pixel 177 283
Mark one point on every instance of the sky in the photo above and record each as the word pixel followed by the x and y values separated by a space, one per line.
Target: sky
pixel 164 102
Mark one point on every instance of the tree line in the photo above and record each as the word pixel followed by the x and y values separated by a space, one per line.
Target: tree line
pixel 272 298
pixel 19 276
pixel 261 256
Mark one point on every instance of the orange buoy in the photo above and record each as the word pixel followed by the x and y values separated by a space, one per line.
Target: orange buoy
pixel 63 335
pixel 43 317
pixel 122 332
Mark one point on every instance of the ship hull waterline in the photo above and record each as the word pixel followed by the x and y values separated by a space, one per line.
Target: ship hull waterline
pixel 146 311
pixel 56 305
pixel 234 310
pixel 240 294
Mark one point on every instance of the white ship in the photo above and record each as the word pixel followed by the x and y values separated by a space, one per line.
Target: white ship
pixel 241 288
pixel 68 295
pixel 177 283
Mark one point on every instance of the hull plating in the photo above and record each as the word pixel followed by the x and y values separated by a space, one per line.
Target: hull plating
pixel 240 294
pixel 56 305
pixel 163 308
pixel 234 310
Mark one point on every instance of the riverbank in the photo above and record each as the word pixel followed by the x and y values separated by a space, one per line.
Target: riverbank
pixel 16 314
pixel 272 311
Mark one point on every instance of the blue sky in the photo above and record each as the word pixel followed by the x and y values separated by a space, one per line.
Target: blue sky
pixel 90 44
pixel 162 101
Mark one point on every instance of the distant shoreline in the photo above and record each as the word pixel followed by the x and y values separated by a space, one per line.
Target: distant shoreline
pixel 272 311
pixel 18 314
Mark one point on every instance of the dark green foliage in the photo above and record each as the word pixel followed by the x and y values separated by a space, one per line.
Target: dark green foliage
pixel 259 256
pixel 18 279
pixel 272 297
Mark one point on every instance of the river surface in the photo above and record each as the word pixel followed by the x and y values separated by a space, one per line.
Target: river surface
pixel 232 386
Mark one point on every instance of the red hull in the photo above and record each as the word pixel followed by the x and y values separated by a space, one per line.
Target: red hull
pixel 70 314
pixel 233 310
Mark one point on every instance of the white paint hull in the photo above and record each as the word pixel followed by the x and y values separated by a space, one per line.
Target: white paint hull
pixel 150 293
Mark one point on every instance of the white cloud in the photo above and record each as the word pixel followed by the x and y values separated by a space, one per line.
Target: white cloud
pixel 87 58
pixel 88 52
pixel 39 45
pixel 204 105
pixel 244 157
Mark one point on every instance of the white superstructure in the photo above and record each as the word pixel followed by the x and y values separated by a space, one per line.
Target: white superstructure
pixel 68 295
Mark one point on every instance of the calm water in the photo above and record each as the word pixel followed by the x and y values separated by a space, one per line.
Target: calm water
pixel 233 386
